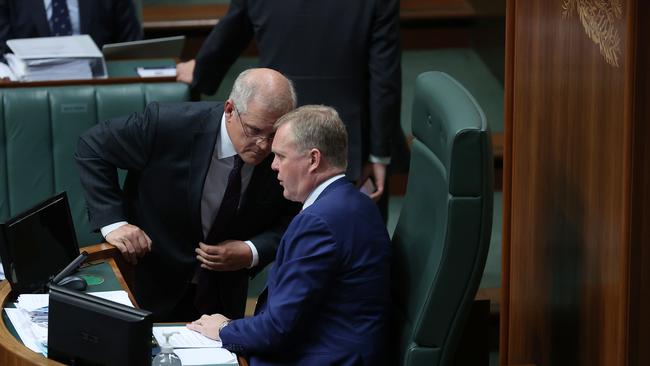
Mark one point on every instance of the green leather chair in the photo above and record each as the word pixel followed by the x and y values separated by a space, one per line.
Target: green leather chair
pixel 39 129
pixel 441 241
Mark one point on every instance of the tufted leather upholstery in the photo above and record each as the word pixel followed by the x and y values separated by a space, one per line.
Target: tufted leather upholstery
pixel 39 129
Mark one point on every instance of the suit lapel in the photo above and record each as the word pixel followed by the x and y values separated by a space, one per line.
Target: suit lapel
pixel 85 16
pixel 202 149
pixel 40 17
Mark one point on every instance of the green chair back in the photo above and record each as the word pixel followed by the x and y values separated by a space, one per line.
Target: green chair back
pixel 442 237
pixel 39 129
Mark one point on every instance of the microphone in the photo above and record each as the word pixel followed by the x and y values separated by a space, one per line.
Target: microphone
pixel 73 266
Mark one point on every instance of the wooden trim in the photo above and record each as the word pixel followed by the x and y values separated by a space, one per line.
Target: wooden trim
pixel 108 81
pixel 507 182
pixel 638 321
pixel 12 351
pixel 105 251
pixel 193 17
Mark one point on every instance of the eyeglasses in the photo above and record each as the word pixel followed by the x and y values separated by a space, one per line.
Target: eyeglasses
pixel 253 133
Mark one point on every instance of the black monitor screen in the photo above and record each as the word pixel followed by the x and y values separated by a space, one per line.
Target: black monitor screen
pixel 38 243
pixel 88 330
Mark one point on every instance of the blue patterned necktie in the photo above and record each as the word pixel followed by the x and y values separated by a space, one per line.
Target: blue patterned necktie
pixel 60 20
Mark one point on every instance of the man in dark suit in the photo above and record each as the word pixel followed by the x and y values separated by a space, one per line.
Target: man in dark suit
pixel 337 52
pixel 106 21
pixel 201 208
pixel 327 298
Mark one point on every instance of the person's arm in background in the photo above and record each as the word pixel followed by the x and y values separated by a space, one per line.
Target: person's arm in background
pixel 127 24
pixel 5 28
pixel 384 90
pixel 124 143
pixel 228 39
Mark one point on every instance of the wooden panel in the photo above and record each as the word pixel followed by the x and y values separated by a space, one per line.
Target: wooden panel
pixel 567 200
pixel 639 321
pixel 188 16
pixel 424 23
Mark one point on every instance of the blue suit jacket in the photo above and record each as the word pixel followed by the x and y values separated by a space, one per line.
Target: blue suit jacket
pixel 327 298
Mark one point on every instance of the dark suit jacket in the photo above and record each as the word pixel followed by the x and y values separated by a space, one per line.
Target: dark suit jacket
pixel 340 53
pixel 106 21
pixel 167 152
pixel 327 299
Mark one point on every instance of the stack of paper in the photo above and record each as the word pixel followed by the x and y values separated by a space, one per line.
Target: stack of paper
pixel 55 58
pixel 193 348
pixel 30 316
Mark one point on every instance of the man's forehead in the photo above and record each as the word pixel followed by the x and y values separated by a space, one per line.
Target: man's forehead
pixel 260 118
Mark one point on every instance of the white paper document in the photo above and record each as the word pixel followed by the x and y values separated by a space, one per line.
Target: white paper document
pixel 80 46
pixel 206 356
pixel 31 302
pixel 119 296
pixel 55 58
pixel 5 73
pixel 23 327
pixel 156 72
pixel 185 338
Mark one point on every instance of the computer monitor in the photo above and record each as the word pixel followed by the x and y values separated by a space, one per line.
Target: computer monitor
pixel 38 243
pixel 166 47
pixel 88 330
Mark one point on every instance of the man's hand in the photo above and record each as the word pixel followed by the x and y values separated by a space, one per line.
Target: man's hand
pixel 208 325
pixel 378 173
pixel 185 71
pixel 229 255
pixel 131 241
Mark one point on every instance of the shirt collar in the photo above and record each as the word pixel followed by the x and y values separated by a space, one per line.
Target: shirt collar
pixel 225 148
pixel 313 196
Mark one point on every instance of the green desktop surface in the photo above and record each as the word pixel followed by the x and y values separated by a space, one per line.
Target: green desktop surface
pixel 127 68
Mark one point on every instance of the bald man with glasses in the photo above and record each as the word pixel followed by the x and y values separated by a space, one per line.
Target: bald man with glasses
pixel 201 209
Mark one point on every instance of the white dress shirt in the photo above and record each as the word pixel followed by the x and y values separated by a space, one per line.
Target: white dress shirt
pixel 316 192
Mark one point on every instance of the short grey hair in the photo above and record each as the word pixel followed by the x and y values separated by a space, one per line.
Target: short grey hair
pixel 320 127
pixel 272 98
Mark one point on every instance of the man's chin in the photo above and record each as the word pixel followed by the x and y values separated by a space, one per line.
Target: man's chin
pixel 253 158
pixel 288 197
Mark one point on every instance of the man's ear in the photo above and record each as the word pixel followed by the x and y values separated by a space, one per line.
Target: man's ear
pixel 228 107
pixel 314 159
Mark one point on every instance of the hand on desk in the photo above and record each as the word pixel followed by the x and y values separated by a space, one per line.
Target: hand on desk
pixel 131 241
pixel 229 255
pixel 185 71
pixel 209 325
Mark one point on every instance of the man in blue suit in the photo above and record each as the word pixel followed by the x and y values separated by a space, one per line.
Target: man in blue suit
pixel 327 297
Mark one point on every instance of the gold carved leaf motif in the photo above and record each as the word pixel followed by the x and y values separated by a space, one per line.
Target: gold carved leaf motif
pixel 598 18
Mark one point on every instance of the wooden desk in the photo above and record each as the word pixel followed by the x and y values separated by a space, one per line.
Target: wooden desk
pixel 119 72
pixel 14 353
